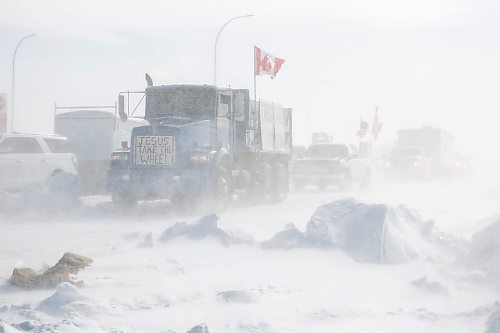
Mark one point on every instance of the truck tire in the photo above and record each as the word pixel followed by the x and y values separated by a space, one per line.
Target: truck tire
pixel 280 183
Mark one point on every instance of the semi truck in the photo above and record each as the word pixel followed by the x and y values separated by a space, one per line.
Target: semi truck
pixel 203 142
pixel 422 153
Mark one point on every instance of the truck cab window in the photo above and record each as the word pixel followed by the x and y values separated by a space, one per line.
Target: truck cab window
pixel 223 105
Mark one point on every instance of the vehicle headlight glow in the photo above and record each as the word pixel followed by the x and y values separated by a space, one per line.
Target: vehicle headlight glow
pixel 119 157
pixel 199 157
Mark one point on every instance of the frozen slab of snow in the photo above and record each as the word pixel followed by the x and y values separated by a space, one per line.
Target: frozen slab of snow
pixel 62 271
pixel 237 296
pixel 485 252
pixel 5 328
pixel 205 228
pixel 493 323
pixel 375 233
pixel 202 328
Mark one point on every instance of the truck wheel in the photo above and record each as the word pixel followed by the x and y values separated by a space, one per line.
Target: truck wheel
pixel 124 200
pixel 280 185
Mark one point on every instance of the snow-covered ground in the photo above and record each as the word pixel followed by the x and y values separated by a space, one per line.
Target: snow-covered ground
pixel 144 281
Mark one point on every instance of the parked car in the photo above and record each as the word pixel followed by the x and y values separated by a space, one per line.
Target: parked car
pixel 33 158
pixel 327 164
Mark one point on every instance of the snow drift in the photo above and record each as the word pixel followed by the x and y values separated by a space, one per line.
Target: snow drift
pixel 65 301
pixel 60 192
pixel 205 228
pixel 493 323
pixel 485 252
pixel 375 233
pixel 5 328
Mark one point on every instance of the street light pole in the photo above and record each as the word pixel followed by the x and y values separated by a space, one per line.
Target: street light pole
pixel 217 39
pixel 13 81
pixel 309 104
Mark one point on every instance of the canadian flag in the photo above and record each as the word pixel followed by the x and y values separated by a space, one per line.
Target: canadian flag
pixel 266 63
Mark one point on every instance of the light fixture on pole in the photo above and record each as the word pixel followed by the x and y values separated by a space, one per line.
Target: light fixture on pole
pixel 13 81
pixel 217 39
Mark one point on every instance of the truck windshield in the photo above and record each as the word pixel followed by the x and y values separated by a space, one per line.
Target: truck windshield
pixel 327 151
pixel 180 103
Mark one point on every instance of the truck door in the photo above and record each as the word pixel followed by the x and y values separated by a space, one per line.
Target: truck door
pixel 243 131
pixel 223 125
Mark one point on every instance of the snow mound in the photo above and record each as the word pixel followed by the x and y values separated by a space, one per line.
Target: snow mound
pixel 65 301
pixel 202 328
pixel 5 328
pixel 236 296
pixel 61 192
pixel 493 323
pixel 375 233
pixel 289 238
pixel 430 287
pixel 205 228
pixel 485 251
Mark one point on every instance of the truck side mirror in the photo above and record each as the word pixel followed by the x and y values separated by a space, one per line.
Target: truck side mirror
pixel 121 108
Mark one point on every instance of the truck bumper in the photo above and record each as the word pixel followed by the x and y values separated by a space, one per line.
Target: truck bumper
pixel 155 184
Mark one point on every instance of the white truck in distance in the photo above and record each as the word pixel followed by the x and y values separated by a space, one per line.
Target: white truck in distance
pixel 327 164
pixel 33 158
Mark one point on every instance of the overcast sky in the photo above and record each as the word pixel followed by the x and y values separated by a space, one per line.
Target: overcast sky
pixel 424 62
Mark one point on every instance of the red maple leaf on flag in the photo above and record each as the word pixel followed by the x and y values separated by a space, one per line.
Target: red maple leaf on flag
pixel 266 63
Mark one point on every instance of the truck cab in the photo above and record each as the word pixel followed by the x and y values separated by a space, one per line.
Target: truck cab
pixel 202 141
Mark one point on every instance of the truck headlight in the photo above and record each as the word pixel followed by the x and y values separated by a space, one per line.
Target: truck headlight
pixel 199 157
pixel 119 156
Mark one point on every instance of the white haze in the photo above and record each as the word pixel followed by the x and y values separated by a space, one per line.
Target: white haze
pixel 429 62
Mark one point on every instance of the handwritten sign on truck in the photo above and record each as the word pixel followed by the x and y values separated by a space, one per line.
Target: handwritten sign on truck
pixel 154 150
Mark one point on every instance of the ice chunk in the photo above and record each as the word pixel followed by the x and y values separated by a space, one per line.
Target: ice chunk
pixel 485 252
pixel 206 227
pixel 291 237
pixel 202 328
pixel 62 271
pixel 5 328
pixel 375 233
pixel 493 323
pixel 236 296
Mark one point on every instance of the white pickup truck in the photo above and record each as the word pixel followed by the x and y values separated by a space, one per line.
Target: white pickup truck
pixel 33 158
pixel 325 164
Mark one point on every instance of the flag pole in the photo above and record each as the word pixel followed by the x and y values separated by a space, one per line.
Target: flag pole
pixel 254 80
